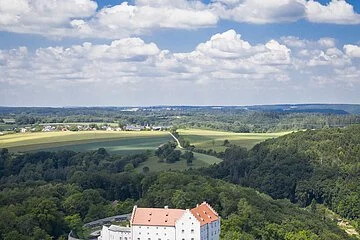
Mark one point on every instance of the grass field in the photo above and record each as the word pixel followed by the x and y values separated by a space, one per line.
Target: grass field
pixel 208 139
pixel 201 160
pixel 114 142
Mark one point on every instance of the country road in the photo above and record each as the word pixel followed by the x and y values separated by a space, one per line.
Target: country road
pixel 176 140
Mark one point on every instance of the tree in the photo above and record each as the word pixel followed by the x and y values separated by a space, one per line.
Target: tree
pixel 129 167
pixel 189 157
pixel 75 223
pixel 313 206
pixel 226 142
pixel 146 169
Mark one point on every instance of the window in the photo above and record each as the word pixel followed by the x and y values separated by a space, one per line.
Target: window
pixel 192 230
pixel 182 231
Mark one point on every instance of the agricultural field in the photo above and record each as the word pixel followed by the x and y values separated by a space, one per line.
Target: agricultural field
pixel 209 139
pixel 201 160
pixel 114 142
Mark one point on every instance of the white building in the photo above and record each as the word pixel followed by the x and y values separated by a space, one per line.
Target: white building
pixel 199 223
pixel 115 232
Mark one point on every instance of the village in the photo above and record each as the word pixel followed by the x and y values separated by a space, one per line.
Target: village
pixel 52 127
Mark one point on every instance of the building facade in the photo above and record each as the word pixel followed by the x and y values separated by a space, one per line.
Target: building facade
pixel 199 223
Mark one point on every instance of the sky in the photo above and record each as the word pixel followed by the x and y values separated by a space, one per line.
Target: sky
pixel 178 52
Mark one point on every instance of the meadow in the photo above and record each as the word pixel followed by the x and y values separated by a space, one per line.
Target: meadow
pixel 114 142
pixel 209 139
pixel 201 160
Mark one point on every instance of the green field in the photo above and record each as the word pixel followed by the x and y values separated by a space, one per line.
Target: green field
pixel 114 142
pixel 208 139
pixel 201 160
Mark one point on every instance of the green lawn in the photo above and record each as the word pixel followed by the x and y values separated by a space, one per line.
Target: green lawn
pixel 114 142
pixel 201 160
pixel 208 139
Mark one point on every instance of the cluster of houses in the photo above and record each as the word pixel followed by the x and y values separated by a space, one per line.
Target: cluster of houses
pixel 52 128
pixel 199 223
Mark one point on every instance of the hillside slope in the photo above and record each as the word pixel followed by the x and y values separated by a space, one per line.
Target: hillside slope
pixel 323 165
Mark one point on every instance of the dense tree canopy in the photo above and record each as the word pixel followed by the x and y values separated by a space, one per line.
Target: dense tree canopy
pixel 45 194
pixel 321 165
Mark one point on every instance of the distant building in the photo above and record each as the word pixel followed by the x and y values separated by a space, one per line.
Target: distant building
pixel 134 128
pixel 199 223
pixel 9 121
pixel 157 128
pixel 48 129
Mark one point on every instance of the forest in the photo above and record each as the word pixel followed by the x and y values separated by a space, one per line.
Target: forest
pixel 321 166
pixel 44 195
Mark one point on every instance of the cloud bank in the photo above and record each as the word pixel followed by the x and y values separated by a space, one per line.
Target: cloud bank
pixel 225 62
pixel 82 18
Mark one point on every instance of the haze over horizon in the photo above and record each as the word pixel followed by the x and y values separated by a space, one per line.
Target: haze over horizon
pixel 179 52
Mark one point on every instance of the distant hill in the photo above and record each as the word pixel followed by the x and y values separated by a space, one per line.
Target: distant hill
pixel 309 108
pixel 300 108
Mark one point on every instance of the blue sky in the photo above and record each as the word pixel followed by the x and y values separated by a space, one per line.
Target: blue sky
pixel 145 52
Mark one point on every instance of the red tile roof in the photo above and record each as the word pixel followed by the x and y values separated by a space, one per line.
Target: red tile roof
pixel 155 216
pixel 205 214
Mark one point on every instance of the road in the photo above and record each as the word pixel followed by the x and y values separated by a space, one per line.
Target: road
pixel 177 140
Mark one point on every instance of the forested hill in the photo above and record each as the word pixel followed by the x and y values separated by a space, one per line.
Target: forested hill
pixel 323 165
pixel 44 195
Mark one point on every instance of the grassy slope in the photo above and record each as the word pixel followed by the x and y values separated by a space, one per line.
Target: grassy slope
pixel 49 140
pixel 208 139
pixel 201 160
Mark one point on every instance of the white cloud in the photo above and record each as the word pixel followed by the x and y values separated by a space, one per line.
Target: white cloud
pixel 81 18
pixel 337 11
pixel 42 16
pixel 259 11
pixel 352 51
pixel 225 61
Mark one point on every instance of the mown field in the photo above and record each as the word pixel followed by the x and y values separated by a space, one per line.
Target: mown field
pixel 114 142
pixel 208 139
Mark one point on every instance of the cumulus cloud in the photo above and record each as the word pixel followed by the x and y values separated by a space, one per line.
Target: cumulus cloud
pixel 260 12
pixel 224 57
pixel 225 62
pixel 352 51
pixel 82 18
pixel 337 11
pixel 40 16
pixel 273 11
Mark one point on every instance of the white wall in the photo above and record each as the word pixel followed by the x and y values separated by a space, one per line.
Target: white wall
pixel 187 227
pixel 211 231
pixel 108 234
pixel 153 233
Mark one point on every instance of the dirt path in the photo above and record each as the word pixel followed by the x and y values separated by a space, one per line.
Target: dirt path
pixel 177 140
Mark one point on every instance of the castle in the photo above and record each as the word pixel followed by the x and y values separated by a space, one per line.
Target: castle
pixel 199 223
